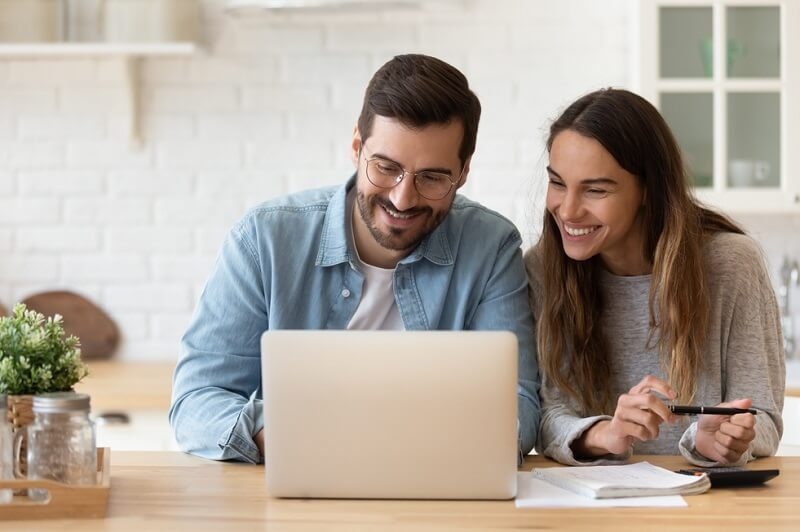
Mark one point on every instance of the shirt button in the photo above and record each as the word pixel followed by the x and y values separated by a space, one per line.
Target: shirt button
pixel 345 293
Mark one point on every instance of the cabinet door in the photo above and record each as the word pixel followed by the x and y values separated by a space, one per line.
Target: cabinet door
pixel 790 442
pixel 724 74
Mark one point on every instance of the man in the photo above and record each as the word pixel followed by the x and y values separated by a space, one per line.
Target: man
pixel 394 248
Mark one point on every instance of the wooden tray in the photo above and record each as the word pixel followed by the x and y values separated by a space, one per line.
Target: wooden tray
pixel 65 501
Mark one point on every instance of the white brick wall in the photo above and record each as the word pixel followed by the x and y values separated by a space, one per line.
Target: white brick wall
pixel 267 108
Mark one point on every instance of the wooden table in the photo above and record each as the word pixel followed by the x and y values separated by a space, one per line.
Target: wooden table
pixel 128 385
pixel 155 491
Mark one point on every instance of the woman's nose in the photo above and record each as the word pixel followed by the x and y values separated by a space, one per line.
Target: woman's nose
pixel 570 208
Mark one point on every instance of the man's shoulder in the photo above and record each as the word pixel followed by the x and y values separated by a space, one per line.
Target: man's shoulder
pixel 306 200
pixel 289 208
pixel 476 217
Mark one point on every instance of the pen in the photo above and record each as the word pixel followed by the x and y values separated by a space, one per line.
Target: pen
pixel 718 410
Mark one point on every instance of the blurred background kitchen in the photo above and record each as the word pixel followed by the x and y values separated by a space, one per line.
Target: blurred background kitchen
pixel 133 133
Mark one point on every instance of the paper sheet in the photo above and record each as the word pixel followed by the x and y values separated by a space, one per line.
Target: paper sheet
pixel 535 493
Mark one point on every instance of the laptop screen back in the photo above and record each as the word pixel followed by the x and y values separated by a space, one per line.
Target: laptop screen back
pixel 390 414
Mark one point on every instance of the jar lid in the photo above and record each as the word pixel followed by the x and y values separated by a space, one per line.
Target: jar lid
pixel 60 402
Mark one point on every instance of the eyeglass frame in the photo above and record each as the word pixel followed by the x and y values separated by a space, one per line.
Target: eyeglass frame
pixel 403 173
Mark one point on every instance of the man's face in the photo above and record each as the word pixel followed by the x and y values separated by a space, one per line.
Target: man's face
pixel 391 222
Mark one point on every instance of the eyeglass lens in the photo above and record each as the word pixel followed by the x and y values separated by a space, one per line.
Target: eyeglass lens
pixel 387 174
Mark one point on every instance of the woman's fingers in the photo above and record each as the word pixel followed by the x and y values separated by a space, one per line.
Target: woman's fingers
pixel 639 412
pixel 637 418
pixel 647 403
pixel 653 384
pixel 736 436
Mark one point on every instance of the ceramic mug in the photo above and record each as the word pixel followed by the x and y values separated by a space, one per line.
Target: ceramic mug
pixel 741 173
pixel 761 170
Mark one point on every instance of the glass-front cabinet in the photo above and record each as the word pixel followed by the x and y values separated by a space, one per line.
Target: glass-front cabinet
pixel 726 76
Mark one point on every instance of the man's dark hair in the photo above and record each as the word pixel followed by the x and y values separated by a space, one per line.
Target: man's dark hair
pixel 419 90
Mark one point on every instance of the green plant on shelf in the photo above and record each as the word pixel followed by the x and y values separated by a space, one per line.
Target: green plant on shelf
pixel 35 354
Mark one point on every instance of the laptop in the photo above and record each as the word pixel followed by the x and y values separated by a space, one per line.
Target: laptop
pixel 390 414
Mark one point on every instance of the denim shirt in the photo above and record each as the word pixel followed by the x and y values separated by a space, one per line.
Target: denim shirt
pixel 287 264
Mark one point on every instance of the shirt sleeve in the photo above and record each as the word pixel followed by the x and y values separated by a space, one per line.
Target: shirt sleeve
pixel 216 398
pixel 504 306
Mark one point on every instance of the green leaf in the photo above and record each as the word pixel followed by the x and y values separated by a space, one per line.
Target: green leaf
pixel 36 356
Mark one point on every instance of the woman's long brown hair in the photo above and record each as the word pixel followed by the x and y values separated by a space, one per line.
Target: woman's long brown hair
pixel 572 348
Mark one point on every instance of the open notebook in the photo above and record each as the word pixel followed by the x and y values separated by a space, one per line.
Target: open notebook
pixel 632 480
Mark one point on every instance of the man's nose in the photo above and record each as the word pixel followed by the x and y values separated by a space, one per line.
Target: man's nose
pixel 404 195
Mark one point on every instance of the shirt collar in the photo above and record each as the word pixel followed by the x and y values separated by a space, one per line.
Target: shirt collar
pixel 334 244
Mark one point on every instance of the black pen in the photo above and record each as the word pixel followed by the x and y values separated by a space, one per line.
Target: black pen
pixel 717 410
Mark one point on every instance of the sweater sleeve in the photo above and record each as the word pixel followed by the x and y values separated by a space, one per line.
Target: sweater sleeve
pixel 561 426
pixel 752 362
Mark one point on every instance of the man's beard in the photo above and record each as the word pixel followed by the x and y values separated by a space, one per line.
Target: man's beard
pixel 396 239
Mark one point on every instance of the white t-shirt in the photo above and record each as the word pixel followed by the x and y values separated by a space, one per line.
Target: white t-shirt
pixel 377 309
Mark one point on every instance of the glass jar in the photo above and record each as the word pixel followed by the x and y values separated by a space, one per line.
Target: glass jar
pixel 61 440
pixel 6 456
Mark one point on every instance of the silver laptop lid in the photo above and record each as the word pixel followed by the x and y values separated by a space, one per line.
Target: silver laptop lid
pixel 390 414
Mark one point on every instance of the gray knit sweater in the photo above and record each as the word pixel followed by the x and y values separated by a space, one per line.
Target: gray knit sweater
pixel 742 353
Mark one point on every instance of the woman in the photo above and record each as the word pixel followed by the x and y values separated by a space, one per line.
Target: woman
pixel 643 298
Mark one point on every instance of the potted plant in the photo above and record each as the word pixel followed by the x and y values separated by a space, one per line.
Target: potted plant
pixel 35 357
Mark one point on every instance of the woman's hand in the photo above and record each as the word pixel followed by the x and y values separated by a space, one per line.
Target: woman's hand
pixel 637 417
pixel 725 438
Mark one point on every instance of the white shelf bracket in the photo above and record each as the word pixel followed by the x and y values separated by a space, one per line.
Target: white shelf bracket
pixel 131 67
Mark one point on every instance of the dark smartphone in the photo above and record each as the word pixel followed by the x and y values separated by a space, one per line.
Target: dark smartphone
pixel 733 476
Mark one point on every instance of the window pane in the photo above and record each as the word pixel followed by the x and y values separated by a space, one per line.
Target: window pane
pixel 753 42
pixel 690 116
pixel 685 42
pixel 754 140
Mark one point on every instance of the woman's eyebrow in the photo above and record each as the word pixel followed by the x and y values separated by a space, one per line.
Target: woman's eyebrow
pixel 588 181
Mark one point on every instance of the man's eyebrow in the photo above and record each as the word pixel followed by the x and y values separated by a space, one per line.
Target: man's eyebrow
pixel 589 181
pixel 378 155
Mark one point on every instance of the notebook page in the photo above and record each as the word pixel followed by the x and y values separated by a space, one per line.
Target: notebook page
pixel 638 475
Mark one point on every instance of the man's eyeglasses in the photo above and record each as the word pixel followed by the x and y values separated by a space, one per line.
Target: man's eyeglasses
pixel 432 185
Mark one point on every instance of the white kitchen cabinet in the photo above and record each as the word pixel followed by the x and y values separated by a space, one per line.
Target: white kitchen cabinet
pixel 790 442
pixel 726 76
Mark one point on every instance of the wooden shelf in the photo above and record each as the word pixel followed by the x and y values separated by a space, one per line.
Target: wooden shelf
pixel 90 49
pixel 130 54
pixel 248 7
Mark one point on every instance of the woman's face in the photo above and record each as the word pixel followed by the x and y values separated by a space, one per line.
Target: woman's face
pixel 597 204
